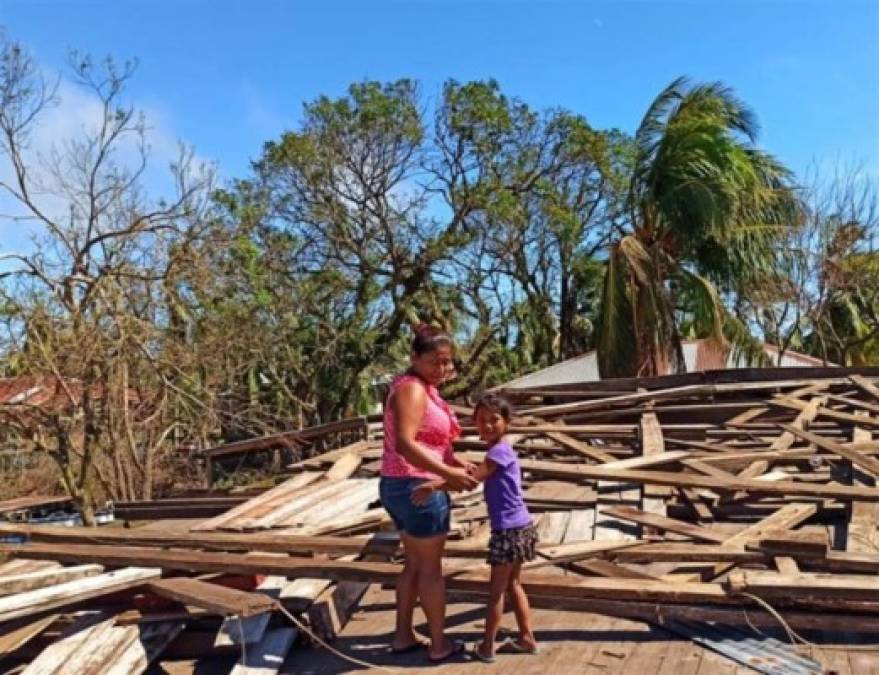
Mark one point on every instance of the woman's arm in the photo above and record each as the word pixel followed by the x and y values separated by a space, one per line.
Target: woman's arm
pixel 410 402
pixel 423 491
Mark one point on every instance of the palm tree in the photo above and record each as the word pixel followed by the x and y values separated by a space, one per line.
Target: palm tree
pixel 706 208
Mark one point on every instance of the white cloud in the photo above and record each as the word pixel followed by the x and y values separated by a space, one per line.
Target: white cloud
pixel 76 113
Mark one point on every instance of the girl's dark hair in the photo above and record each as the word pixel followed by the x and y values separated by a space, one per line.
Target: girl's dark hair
pixel 494 403
pixel 428 338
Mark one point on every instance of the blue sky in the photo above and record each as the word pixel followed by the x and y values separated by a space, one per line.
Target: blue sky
pixel 227 76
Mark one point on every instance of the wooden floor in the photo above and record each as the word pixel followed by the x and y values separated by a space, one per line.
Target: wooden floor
pixel 572 642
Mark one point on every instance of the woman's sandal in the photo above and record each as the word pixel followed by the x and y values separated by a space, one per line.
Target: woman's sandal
pixel 457 647
pixel 414 647
pixel 480 656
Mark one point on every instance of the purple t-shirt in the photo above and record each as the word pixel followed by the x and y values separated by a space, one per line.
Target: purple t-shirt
pixel 503 490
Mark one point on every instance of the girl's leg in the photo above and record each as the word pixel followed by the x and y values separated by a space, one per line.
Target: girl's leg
pixel 522 609
pixel 431 587
pixel 500 577
pixel 407 598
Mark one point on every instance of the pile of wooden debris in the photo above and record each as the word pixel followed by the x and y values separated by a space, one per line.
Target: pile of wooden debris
pixel 664 500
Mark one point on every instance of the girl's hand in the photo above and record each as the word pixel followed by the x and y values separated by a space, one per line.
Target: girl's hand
pixel 469 467
pixel 422 493
pixel 458 480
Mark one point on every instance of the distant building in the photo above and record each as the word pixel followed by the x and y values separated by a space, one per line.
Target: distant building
pixel 699 355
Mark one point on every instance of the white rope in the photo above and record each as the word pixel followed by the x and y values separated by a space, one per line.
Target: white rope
pixel 349 659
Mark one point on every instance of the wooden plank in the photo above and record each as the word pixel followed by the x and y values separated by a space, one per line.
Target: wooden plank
pixel 333 608
pixel 28 581
pixel 552 526
pixel 267 657
pixel 558 494
pixel 865 385
pixel 652 446
pixel 577 550
pixel 353 501
pixel 830 413
pixel 783 519
pixel 747 416
pixel 782 488
pixel 668 524
pixel 578 446
pixel 797 544
pixel 237 630
pixel 802 420
pixel 30 502
pixel 864 462
pixel 14 634
pixel 220 599
pixel 687 391
pixel 153 640
pixel 319 493
pixel 862 535
pixel 217 541
pixel 344 467
pixel 372 572
pixel 805 584
pixel 71 592
pixel 653 459
pixel 57 657
pixel 278 492
pixel 786 565
pixel 606 568
pixel 581 526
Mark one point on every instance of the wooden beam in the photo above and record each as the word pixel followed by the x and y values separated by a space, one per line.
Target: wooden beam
pixel 71 592
pixel 667 524
pixel 865 385
pixel 220 599
pixel 373 572
pixel 865 462
pixel 579 447
pixel 28 581
pixel 652 446
pixel 862 535
pixel 805 585
pixel 782 488
pixel 216 541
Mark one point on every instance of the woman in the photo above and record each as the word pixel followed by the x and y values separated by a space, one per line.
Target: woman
pixel 419 429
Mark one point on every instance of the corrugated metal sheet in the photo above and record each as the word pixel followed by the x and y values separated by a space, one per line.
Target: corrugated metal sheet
pixel 764 654
pixel 698 355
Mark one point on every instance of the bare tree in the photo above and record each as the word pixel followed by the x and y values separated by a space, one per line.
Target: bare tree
pixel 86 308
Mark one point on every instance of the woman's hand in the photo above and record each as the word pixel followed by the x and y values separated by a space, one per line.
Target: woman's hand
pixel 422 493
pixel 459 480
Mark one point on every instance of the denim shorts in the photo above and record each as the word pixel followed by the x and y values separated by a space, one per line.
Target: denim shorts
pixel 428 520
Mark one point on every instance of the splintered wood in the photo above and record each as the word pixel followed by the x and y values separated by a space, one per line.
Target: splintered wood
pixel 683 498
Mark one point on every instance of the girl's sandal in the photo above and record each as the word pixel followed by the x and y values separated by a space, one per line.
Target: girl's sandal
pixel 513 646
pixel 480 656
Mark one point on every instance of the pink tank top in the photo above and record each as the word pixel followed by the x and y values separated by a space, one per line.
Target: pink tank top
pixel 438 428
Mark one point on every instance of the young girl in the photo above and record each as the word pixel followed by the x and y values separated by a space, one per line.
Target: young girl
pixel 513 537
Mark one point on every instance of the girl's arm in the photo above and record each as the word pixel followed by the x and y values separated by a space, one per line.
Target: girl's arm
pixel 423 491
pixel 409 402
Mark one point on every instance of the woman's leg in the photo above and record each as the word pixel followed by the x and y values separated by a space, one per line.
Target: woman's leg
pixel 494 611
pixel 431 588
pixel 522 609
pixel 407 598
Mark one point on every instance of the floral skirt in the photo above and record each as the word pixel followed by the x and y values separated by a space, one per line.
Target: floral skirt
pixel 516 545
